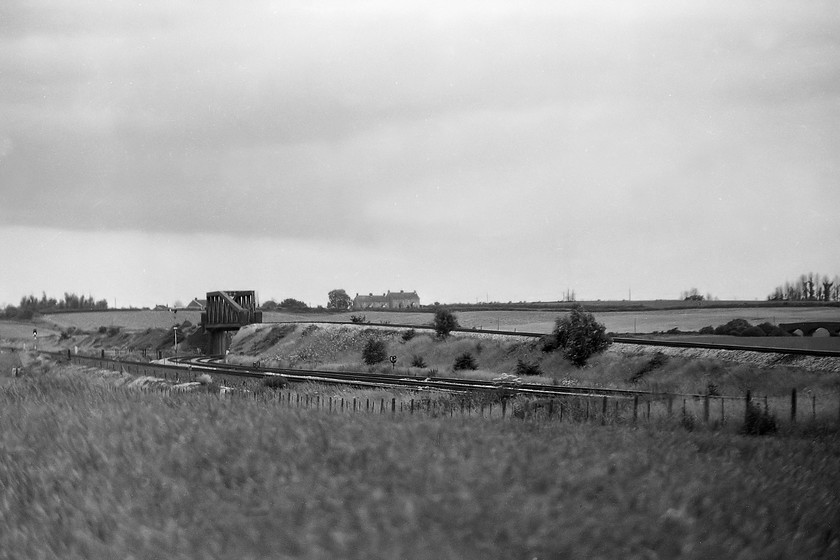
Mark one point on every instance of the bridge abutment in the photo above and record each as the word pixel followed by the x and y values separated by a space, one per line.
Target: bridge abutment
pixel 218 342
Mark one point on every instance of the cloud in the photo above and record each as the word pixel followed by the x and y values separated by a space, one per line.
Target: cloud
pixel 328 121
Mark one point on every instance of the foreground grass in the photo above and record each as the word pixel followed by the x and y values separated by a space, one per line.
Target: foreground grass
pixel 91 472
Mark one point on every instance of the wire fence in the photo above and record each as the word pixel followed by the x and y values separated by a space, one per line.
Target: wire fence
pixel 714 410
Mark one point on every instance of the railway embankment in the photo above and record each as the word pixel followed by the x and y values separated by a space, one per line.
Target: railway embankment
pixel 340 345
pixel 759 359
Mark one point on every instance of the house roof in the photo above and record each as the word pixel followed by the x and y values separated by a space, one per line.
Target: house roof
pixel 197 303
pixel 402 294
pixel 371 297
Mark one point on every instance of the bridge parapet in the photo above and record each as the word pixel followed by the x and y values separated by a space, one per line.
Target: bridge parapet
pixel 809 327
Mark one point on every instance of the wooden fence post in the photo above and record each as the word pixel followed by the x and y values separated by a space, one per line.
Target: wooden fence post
pixel 747 399
pixel 722 411
pixel 604 410
pixel 793 405
pixel 504 406
pixel 706 408
pixel 635 407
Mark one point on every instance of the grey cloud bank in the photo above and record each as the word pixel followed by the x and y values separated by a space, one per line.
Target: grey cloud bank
pixel 531 147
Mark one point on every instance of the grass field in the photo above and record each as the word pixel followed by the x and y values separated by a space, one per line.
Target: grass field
pixel 90 471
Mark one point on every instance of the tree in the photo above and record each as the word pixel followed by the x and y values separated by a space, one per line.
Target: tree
pixel 579 336
pixel 293 304
pixel 444 322
pixel 692 295
pixel 339 300
pixel 808 287
pixel 374 351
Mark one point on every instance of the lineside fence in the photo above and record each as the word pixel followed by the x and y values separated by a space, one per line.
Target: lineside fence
pixel 716 410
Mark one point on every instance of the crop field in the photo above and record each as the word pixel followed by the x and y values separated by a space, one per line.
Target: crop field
pixel 522 321
pixel 131 320
pixel 92 470
pixel 535 321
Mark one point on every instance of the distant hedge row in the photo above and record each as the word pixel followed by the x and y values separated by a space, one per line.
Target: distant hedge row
pixel 742 327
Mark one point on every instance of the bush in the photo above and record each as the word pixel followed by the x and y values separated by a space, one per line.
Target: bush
pixel 444 322
pixel 753 331
pixel 707 330
pixel 408 335
pixel 464 361
pixel 526 368
pixel 113 331
pixel 275 382
pixel 657 361
pixel 418 361
pixel 358 319
pixel 758 422
pixel 734 327
pixel 102 330
pixel 579 336
pixel 771 330
pixel 374 352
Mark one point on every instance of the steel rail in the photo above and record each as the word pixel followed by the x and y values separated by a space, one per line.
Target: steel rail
pixel 440 383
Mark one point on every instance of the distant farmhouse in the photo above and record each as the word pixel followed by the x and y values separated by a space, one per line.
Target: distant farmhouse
pixel 391 300
pixel 197 305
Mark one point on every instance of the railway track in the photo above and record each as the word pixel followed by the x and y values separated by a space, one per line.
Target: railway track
pixel 365 379
pixel 454 384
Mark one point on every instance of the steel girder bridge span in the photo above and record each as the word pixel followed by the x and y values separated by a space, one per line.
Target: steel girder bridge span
pixel 228 311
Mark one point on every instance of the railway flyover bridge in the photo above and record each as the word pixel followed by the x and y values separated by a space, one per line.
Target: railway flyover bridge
pixel 228 311
pixel 808 328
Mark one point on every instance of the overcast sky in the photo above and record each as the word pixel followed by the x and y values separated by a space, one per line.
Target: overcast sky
pixel 154 151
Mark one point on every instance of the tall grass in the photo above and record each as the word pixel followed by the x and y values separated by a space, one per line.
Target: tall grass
pixel 90 471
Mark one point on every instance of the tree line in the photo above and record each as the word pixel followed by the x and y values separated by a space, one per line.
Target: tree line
pixel 30 305
pixel 808 287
